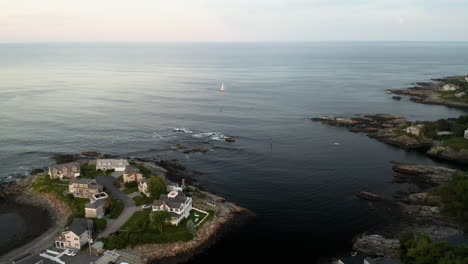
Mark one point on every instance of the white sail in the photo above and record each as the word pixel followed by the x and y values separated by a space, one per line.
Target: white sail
pixel 222 87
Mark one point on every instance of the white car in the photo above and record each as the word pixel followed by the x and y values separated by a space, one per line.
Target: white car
pixel 146 206
pixel 70 252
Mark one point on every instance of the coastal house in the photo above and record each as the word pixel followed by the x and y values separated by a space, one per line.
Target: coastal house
pixel 460 94
pixel 76 235
pixel 466 78
pixel 131 174
pixel 96 206
pixel 95 209
pixel 143 186
pixel 111 164
pixel 84 188
pixel 415 130
pixel 444 133
pixel 449 87
pixel 176 203
pixel 466 133
pixel 67 170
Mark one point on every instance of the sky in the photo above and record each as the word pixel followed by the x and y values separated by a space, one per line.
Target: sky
pixel 233 20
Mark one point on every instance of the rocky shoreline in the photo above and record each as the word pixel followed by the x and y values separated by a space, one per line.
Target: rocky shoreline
pixel 55 219
pixel 429 92
pixel 228 215
pixel 417 210
pixel 385 128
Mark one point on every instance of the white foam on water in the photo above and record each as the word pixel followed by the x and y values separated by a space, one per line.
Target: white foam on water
pixel 182 130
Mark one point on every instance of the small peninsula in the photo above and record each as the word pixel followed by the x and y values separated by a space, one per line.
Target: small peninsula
pixel 107 208
pixel 449 91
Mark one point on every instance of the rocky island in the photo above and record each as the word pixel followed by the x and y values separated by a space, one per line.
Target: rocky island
pixel 443 139
pixel 123 200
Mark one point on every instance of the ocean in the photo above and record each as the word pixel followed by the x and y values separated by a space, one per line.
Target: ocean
pixel 127 98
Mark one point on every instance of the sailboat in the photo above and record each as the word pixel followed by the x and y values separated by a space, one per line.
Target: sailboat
pixel 222 87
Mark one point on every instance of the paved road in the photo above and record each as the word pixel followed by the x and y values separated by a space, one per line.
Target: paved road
pixel 129 210
pixel 107 181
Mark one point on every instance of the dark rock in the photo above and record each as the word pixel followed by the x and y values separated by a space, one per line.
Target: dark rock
pixel 202 150
pixel 91 153
pixel 369 196
pixel 423 175
pixel 398 98
pixel 230 139
pixel 36 171
pixel 60 159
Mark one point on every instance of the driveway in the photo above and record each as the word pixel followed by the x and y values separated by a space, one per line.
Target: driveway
pixel 116 224
pixel 129 210
pixel 107 181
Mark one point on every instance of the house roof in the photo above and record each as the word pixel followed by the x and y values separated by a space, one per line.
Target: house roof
pixel 82 181
pixel 129 169
pixel 66 165
pixel 171 202
pixel 79 226
pixel 112 162
pixel 96 204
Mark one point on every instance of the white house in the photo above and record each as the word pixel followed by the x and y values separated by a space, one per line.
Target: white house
pixel 466 78
pixel 466 133
pixel 176 203
pixel 76 235
pixel 143 186
pixel 449 87
pixel 414 130
pixel 111 164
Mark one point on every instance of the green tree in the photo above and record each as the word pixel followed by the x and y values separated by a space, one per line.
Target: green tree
pixel 156 186
pixel 159 219
pixel 100 224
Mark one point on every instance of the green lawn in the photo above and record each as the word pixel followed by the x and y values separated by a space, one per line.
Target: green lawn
pixel 141 200
pixel 197 219
pixel 130 190
pixel 46 185
pixel 138 231
pixel 457 143
pixel 116 207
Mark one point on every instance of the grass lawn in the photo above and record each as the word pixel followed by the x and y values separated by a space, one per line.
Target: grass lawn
pixel 138 231
pixel 89 171
pixel 130 190
pixel 116 208
pixel 457 143
pixel 46 185
pixel 197 217
pixel 141 200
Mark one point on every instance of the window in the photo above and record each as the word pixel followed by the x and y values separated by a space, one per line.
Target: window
pixel 74 168
pixel 77 245
pixel 76 238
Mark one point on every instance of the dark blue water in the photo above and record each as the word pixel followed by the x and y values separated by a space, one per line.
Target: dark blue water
pixel 123 98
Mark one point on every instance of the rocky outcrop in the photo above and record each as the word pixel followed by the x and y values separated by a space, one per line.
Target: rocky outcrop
pixel 423 175
pixel 201 150
pixel 429 93
pixel 390 136
pixel 447 153
pixel 376 245
pixel 369 196
pixel 423 198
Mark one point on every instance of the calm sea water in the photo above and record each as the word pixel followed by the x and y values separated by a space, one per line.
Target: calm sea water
pixel 123 98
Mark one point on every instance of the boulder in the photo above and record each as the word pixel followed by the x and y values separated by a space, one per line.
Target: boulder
pixel 377 245
pixel 423 174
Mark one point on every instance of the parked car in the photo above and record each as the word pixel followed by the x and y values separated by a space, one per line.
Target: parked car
pixel 146 206
pixel 70 252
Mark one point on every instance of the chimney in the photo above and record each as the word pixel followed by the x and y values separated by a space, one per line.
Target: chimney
pixel 183 183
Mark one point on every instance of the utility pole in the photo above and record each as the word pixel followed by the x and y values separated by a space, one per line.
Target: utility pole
pixel 90 235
